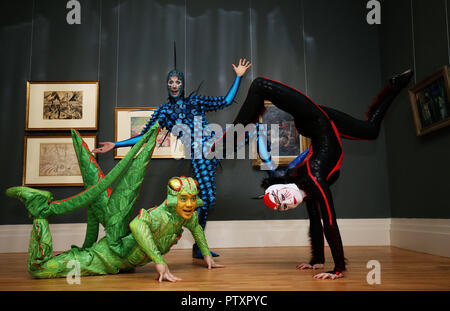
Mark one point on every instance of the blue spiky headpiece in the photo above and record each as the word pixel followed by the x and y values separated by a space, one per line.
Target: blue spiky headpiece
pixel 176 73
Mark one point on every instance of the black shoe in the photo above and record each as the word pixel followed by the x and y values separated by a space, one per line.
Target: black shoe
pixel 401 80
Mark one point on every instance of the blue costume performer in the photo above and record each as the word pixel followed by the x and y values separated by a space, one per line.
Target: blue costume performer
pixel 191 112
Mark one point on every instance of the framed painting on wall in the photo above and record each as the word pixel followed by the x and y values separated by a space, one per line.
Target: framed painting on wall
pixel 129 122
pixel 430 102
pixel 51 160
pixel 62 105
pixel 290 142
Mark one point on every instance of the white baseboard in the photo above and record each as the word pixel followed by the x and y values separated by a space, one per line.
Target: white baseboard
pixel 220 234
pixel 262 233
pixel 15 238
pixel 423 235
pixel 430 236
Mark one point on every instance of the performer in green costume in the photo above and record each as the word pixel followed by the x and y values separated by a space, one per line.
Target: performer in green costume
pixel 126 244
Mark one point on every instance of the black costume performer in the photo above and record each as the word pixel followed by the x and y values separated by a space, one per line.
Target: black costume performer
pixel 320 168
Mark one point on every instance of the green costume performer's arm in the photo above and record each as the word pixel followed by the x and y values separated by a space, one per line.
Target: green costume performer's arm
pixel 141 230
pixel 198 234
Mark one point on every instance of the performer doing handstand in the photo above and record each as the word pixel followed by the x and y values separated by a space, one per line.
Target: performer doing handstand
pixel 314 171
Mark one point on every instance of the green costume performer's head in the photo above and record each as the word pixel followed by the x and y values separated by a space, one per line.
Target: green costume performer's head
pixel 182 195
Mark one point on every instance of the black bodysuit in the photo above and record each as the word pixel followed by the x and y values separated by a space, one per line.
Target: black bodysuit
pixel 325 127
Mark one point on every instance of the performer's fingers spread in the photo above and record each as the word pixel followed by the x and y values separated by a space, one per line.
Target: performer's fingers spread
pixel 320 276
pixel 304 266
pixel 324 276
pixel 174 277
pixel 170 277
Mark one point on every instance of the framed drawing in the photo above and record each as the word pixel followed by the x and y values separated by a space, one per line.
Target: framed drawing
pixel 53 105
pixel 51 161
pixel 129 122
pixel 290 143
pixel 430 102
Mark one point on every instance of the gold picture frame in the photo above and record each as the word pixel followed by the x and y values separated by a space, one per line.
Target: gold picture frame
pixel 430 102
pixel 294 142
pixel 62 105
pixel 129 122
pixel 51 160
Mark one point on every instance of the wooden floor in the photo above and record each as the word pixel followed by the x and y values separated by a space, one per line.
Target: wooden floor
pixel 253 269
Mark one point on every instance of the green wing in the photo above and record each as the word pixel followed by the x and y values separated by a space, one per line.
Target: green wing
pixel 113 208
pixel 125 194
pixel 91 173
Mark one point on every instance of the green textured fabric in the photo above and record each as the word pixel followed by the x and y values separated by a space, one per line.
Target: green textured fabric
pixel 91 174
pixel 158 229
pixel 188 184
pixel 40 205
pixel 153 232
pixel 96 260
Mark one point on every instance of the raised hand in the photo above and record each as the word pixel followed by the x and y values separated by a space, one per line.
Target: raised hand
pixel 164 274
pixel 211 263
pixel 106 147
pixel 242 67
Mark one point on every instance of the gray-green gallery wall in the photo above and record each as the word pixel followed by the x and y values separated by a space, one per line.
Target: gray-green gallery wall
pixel 416 33
pixel 323 48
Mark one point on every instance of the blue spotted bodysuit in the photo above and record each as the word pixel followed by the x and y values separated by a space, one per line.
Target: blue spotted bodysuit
pixel 190 111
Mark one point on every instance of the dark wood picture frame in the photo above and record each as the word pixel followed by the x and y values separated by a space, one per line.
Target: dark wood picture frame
pixel 123 127
pixel 31 175
pixel 37 107
pixel 282 159
pixel 430 102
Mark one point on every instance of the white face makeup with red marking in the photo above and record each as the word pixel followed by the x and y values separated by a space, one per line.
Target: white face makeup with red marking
pixel 283 197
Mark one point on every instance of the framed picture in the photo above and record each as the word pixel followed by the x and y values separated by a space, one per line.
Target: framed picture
pixel 51 161
pixel 62 105
pixel 430 102
pixel 129 122
pixel 290 142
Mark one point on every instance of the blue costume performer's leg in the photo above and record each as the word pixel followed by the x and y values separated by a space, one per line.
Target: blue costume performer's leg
pixel 205 174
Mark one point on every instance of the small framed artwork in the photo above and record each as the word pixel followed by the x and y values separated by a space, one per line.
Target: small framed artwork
pixel 430 102
pixel 290 142
pixel 62 105
pixel 129 122
pixel 51 161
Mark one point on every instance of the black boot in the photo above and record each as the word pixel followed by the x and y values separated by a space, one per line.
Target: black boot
pixel 380 105
pixel 401 80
